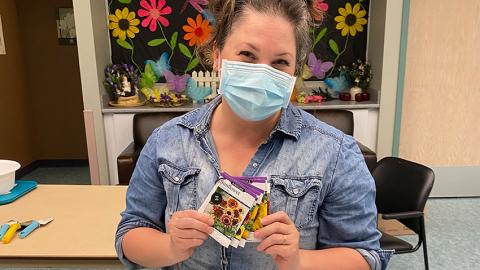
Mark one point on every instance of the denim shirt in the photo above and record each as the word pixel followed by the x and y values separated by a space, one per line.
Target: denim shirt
pixel 318 177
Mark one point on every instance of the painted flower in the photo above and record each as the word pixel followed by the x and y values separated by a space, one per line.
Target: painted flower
pixel 154 12
pixel 351 20
pixel 232 203
pixel 235 221
pixel 123 23
pixel 229 212
pixel 223 203
pixel 320 8
pixel 319 5
pixel 217 212
pixel 197 31
pixel 226 220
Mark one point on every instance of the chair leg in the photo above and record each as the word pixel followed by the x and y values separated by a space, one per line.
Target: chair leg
pixel 424 240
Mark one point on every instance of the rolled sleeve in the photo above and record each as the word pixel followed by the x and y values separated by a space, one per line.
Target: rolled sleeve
pixel 348 215
pixel 145 199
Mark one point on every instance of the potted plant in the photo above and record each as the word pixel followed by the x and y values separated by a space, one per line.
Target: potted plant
pixel 360 76
pixel 121 83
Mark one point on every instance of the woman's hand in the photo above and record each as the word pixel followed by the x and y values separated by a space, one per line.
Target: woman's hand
pixel 280 239
pixel 187 230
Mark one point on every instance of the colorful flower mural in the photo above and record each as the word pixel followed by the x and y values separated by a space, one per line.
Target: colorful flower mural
pixel 163 34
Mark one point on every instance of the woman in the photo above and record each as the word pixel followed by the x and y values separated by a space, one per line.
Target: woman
pixel 323 214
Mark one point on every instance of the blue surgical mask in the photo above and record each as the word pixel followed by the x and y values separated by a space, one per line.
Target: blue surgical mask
pixel 255 91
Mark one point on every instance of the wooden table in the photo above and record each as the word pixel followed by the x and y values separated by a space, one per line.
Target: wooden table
pixel 82 234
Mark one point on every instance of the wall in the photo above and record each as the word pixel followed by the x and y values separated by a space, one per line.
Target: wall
pixel 440 119
pixel 94 52
pixel 383 54
pixel 53 85
pixel 14 119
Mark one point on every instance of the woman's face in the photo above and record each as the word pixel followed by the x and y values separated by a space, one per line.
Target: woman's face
pixel 260 38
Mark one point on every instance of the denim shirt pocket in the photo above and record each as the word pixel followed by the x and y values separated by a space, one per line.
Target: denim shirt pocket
pixel 180 185
pixel 297 196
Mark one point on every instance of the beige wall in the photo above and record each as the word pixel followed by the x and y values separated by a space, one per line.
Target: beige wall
pixel 14 130
pixel 41 98
pixel 441 109
pixel 53 85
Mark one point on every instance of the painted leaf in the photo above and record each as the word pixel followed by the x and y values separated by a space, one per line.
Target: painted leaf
pixel 125 1
pixel 320 36
pixel 173 40
pixel 156 42
pixel 334 46
pixel 192 64
pixel 124 44
pixel 184 49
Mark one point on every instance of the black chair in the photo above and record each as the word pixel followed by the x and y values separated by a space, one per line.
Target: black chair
pixel 403 188
pixel 343 120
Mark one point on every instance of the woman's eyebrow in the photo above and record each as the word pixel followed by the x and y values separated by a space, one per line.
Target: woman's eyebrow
pixel 285 54
pixel 251 46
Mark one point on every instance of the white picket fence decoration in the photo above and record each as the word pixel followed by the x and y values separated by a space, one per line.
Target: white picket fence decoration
pixel 207 79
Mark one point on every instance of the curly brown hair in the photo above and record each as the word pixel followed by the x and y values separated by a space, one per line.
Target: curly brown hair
pixel 226 12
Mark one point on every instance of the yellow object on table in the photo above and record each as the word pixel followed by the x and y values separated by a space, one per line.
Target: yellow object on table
pixel 10 232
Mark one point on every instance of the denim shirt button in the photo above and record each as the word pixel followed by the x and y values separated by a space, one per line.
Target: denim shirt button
pixel 255 165
pixel 296 191
pixel 176 178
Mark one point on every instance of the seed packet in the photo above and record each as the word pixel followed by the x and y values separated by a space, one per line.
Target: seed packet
pixel 255 221
pixel 228 205
pixel 260 210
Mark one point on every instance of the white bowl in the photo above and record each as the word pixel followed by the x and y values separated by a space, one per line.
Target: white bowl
pixel 7 175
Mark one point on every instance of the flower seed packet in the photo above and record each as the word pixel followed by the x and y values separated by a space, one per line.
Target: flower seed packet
pixel 228 205
pixel 253 220
pixel 254 223
pixel 242 232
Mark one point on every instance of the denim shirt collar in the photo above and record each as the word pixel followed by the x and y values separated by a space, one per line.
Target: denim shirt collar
pixel 290 122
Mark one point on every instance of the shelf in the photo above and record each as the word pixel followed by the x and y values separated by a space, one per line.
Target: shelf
pixel 332 104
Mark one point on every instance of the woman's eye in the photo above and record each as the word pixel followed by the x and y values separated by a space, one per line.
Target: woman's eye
pixel 282 63
pixel 247 54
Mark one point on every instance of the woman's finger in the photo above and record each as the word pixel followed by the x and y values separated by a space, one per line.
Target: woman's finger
pixel 280 216
pixel 188 234
pixel 280 251
pixel 191 223
pixel 195 215
pixel 276 227
pixel 274 239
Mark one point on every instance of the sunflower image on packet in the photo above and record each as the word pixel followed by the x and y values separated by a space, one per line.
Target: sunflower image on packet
pixel 255 222
pixel 228 206
pixel 242 230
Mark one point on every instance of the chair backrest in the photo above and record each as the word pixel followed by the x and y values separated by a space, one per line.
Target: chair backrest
pixel 145 123
pixel 340 119
pixel 402 186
